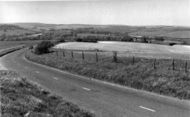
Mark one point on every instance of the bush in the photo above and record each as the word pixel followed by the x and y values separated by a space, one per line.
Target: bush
pixel 92 39
pixel 78 39
pixel 145 39
pixel 60 41
pixel 127 38
pixel 43 47
pixel 159 38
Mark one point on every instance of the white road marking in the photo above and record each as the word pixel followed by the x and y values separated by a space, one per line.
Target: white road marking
pixel 147 108
pixel 86 88
pixel 55 78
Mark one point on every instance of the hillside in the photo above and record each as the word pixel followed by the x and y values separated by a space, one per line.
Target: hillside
pixel 12 30
pixel 33 31
pixel 43 26
pixel 168 31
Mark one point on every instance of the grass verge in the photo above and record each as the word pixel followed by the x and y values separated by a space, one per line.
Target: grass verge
pixel 20 97
pixel 9 50
pixel 140 75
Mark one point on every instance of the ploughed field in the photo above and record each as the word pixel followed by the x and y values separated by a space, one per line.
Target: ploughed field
pixel 132 49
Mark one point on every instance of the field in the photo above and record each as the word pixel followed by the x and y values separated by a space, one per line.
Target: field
pixel 132 49
pixel 14 30
pixel 22 98
pixel 10 44
pixel 168 33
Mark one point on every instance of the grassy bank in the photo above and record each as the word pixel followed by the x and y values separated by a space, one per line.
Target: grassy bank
pixel 140 75
pixel 20 97
pixel 9 50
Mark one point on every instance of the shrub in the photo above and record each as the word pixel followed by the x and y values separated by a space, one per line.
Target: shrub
pixel 159 38
pixel 92 39
pixel 43 47
pixel 144 39
pixel 127 38
pixel 60 41
pixel 78 39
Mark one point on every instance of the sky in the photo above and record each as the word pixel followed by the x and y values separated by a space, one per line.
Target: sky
pixel 122 12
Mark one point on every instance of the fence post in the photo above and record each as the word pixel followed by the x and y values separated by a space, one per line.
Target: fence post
pixel 72 54
pixel 154 63
pixel 96 57
pixel 173 64
pixel 133 60
pixel 186 67
pixel 114 56
pixel 82 55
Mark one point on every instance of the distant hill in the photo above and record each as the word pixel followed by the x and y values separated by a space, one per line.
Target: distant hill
pixel 37 26
pixel 18 30
pixel 42 26
pixel 168 31
pixel 6 27
pixel 14 30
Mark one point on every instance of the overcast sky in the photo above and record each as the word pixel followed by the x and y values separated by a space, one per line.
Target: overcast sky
pixel 127 12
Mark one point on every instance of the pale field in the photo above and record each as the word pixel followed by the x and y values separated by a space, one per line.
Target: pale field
pixel 136 49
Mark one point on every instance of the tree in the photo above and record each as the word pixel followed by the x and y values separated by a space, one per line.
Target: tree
pixel 145 39
pixel 126 37
pixel 79 39
pixel 159 38
pixel 43 47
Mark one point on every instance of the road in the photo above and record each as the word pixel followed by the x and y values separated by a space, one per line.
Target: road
pixel 105 100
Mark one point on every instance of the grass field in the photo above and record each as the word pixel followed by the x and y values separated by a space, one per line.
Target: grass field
pixel 167 33
pixel 14 30
pixel 22 98
pixel 133 49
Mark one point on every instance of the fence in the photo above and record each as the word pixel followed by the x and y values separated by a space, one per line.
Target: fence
pixel 127 58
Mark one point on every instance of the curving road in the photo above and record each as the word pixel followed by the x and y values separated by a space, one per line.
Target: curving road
pixel 104 99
